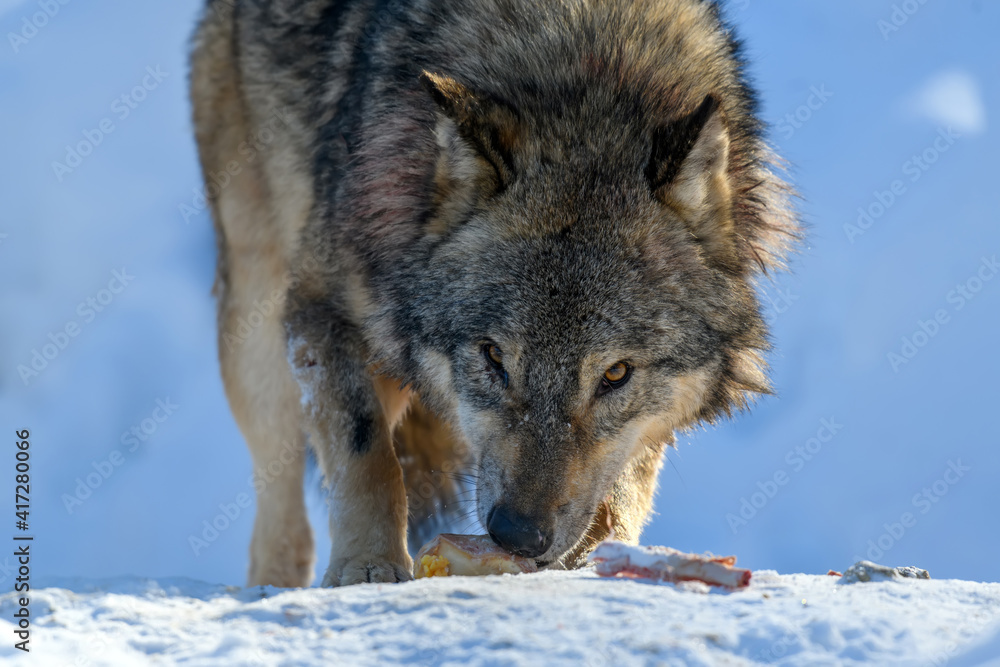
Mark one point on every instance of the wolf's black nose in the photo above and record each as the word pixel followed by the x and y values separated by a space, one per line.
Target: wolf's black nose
pixel 518 534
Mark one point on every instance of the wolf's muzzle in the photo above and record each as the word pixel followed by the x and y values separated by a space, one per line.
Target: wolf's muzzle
pixel 518 534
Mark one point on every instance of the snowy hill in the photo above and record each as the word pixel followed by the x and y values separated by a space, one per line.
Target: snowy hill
pixel 551 618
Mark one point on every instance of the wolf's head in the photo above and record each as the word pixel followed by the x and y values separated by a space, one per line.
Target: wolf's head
pixel 589 289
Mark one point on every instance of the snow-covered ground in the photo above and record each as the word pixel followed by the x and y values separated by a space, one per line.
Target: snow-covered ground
pixel 551 618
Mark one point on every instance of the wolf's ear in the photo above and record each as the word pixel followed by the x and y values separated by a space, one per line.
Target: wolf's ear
pixel 489 126
pixel 689 172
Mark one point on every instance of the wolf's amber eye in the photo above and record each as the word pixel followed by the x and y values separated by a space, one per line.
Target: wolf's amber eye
pixel 494 357
pixel 614 377
pixel 495 354
pixel 616 373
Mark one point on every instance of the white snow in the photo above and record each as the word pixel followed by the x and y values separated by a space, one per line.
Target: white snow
pixel 550 618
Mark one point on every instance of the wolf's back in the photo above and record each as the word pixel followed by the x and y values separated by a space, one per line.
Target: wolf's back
pixel 590 74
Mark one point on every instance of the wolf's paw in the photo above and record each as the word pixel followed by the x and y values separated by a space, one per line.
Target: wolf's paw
pixel 366 569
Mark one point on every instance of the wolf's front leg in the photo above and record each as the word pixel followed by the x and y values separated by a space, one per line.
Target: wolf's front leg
pixel 349 417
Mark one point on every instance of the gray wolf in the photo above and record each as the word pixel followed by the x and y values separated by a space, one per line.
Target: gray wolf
pixel 508 246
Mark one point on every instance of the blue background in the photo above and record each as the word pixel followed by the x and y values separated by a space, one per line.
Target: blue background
pixel 845 307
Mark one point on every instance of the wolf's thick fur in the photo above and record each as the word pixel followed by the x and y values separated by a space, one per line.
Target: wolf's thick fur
pixel 462 215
